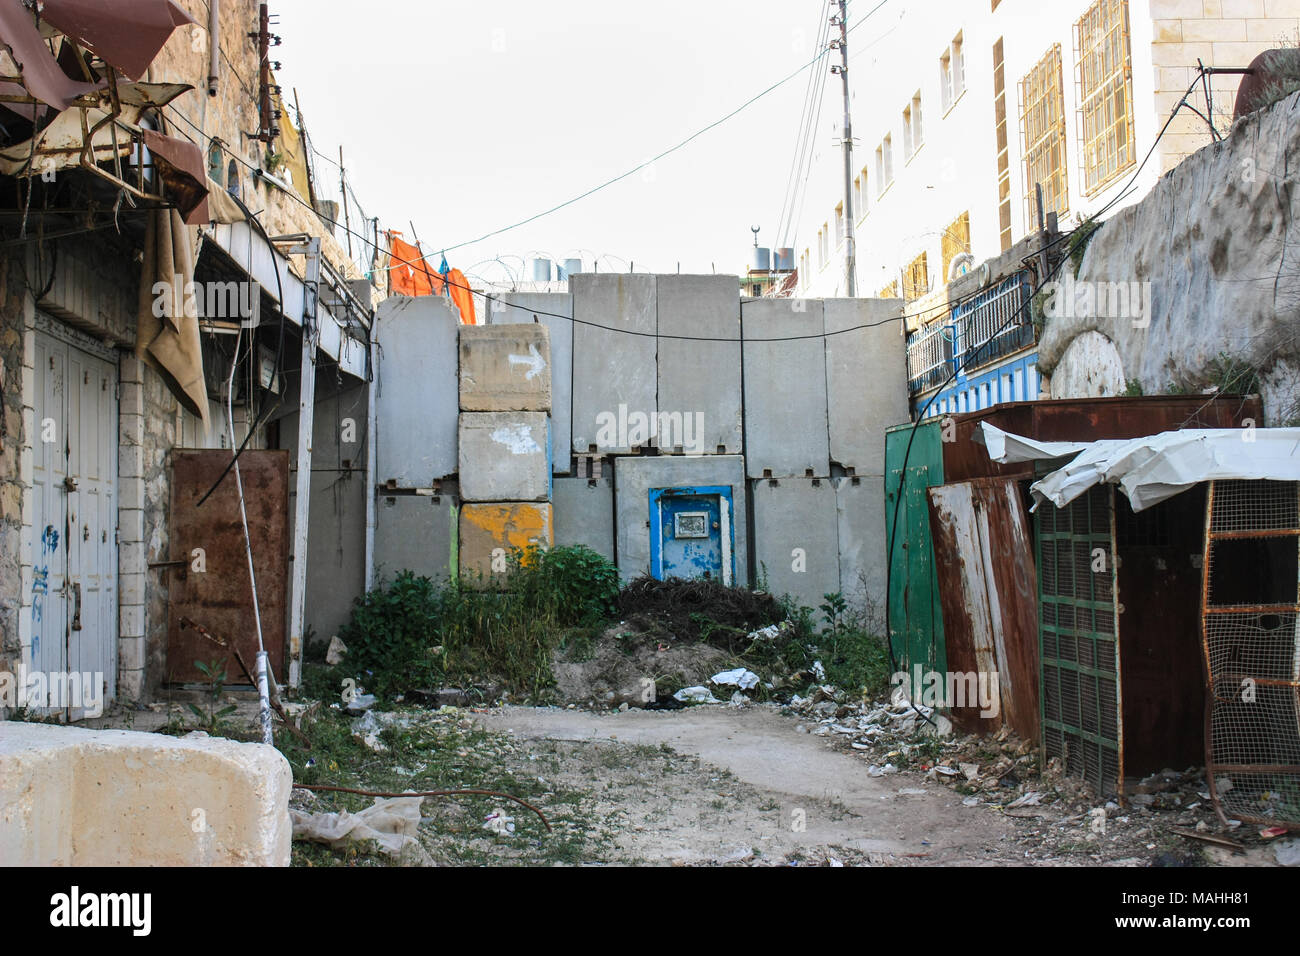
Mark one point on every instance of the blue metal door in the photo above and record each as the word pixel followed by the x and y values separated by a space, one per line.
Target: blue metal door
pixel 691 533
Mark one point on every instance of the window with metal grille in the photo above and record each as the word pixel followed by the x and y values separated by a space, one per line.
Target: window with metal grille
pixel 1042 137
pixel 956 240
pixel 913 136
pixel 884 165
pixel 1104 76
pixel 916 280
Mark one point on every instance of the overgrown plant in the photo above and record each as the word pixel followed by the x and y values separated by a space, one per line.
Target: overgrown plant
pixel 215 672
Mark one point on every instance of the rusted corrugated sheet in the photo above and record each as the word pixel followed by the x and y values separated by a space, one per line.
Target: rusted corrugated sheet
pixel 984 561
pixel 125 33
pixel 1086 419
pixel 219 598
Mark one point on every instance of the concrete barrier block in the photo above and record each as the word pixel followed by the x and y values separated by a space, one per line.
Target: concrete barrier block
pixel 73 797
pixel 785 389
pixel 555 311
pixel 614 378
pixel 417 396
pixel 866 380
pixel 860 504
pixel 796 537
pixel 633 479
pixel 414 533
pixel 699 381
pixel 584 513
pixel 505 456
pixel 505 368
pixel 488 532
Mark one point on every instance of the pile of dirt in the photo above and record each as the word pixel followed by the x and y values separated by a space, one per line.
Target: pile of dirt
pixel 700 610
pixel 633 664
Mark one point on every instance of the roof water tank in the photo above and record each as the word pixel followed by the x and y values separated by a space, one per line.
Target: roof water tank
pixel 541 270
pixel 761 260
pixel 572 267
pixel 785 260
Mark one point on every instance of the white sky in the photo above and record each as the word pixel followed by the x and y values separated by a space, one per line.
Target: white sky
pixel 468 116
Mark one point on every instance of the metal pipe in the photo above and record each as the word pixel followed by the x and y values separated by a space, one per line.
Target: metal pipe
pixel 372 391
pixel 214 45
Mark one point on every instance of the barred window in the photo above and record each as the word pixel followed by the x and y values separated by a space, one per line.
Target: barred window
pixel 1104 77
pixel 1042 137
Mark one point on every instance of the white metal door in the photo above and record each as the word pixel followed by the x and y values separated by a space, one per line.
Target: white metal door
pixel 74 578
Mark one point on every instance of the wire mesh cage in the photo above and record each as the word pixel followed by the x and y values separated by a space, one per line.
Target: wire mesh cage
pixel 1251 636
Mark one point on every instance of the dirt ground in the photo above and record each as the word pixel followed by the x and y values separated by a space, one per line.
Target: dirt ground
pixel 757 792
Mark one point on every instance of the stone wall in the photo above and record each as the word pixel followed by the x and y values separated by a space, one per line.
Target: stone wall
pixel 1215 251
pixel 12 326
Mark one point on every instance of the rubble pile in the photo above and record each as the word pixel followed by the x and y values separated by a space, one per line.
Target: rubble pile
pixel 1167 819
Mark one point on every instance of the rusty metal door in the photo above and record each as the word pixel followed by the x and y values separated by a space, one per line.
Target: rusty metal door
pixel 208 580
pixel 984 562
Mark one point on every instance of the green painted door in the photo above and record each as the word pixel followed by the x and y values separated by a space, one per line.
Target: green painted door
pixel 915 616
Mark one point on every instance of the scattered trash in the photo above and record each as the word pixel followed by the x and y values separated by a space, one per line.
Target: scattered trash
pixel 1031 798
pixel 970 770
pixel 392 823
pixel 367 729
pixel 1288 852
pixel 499 822
pixel 1268 833
pixel 818 670
pixel 739 677
pixel 696 695
pixel 335 653
pixel 359 704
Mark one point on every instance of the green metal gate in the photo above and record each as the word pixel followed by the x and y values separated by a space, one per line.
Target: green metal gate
pixel 915 613
pixel 1078 637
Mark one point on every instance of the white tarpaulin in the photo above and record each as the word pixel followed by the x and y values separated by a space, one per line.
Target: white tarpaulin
pixel 1151 469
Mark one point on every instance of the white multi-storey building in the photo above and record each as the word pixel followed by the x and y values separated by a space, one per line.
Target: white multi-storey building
pixel 962 108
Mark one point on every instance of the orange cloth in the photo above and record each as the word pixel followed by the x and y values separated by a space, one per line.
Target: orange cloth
pixel 409 274
pixel 458 286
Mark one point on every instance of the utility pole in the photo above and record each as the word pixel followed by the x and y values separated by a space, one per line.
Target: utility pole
pixel 850 240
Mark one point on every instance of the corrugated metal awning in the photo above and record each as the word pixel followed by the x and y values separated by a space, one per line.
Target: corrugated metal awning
pixel 1152 469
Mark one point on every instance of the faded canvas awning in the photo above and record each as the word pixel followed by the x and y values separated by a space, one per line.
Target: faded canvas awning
pixel 1152 469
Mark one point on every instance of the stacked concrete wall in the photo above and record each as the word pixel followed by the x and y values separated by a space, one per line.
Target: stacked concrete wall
pixel 505 453
pixel 554 310
pixel 584 513
pixel 699 393
pixel 419 534
pixel 614 367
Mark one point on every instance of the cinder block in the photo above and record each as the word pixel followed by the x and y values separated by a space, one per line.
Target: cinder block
pixel 414 533
pixel 614 358
pixel 488 532
pixel 505 368
pixel 584 513
pixel 796 537
pixel 633 479
pixel 555 311
pixel 504 456
pixel 417 394
pixel 785 388
pixel 72 797
pixel 699 381
pixel 864 570
pixel 866 380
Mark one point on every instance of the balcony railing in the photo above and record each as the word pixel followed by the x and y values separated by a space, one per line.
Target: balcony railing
pixel 992 324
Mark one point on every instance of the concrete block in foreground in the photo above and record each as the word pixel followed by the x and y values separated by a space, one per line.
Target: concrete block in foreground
pixel 72 797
